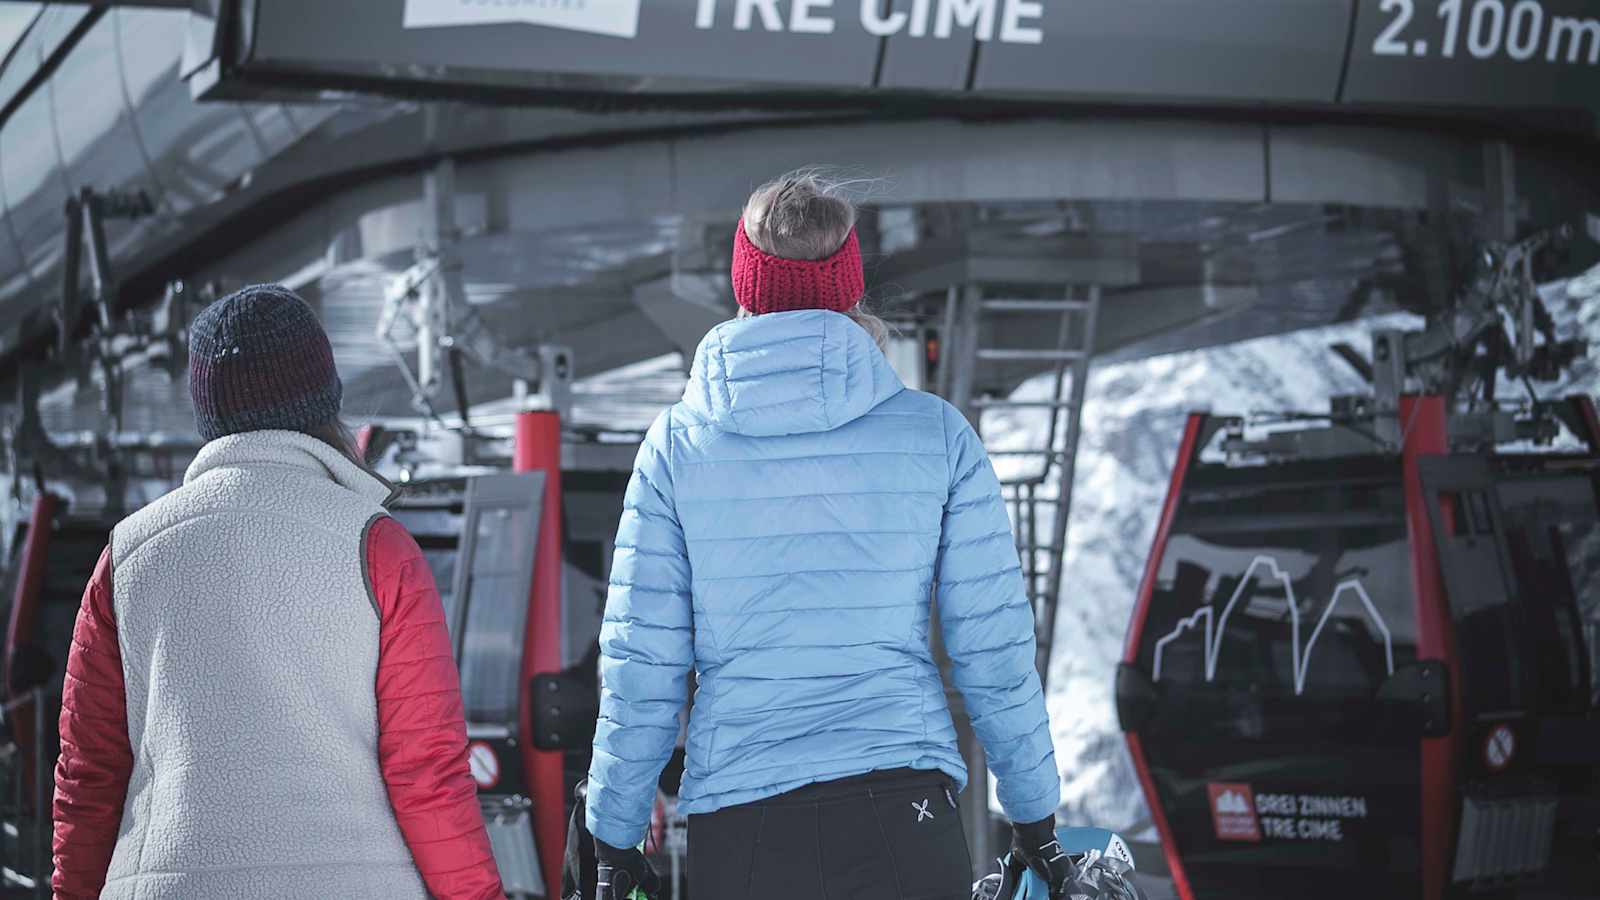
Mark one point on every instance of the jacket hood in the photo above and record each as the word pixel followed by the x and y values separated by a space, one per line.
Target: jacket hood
pixel 788 373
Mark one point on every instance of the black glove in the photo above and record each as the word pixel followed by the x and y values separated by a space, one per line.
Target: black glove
pixel 623 871
pixel 1036 844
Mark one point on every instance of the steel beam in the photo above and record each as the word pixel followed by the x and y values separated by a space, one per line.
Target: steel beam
pixel 108 4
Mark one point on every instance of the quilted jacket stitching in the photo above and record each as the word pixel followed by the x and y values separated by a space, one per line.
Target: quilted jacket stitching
pixel 818 494
pixel 822 374
pixel 723 490
pixel 722 361
pixel 810 457
pixel 858 533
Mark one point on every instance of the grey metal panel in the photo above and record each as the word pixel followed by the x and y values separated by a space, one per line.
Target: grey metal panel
pixel 307 117
pixel 22 67
pixel 1221 49
pixel 932 161
pixel 1375 167
pixel 198 152
pixel 624 183
pixel 147 77
pixel 53 26
pixel 96 136
pixel 684 307
pixel 1535 53
pixel 34 187
pixel 1286 50
pixel 272 130
pixel 1104 259
pixel 1132 316
pixel 494 574
pixel 14 276
pixel 920 62
pixel 1398 55
pixel 345 33
pixel 511 839
pixel 919 161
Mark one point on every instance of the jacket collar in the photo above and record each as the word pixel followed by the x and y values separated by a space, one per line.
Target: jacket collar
pixel 289 449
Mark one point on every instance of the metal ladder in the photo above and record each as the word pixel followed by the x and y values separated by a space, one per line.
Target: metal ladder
pixel 1040 498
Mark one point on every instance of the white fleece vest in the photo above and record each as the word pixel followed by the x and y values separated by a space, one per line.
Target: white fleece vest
pixel 249 643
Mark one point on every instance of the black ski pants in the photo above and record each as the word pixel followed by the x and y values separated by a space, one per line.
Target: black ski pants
pixel 892 835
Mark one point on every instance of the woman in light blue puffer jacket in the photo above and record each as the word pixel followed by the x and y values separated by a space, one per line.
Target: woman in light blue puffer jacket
pixel 788 529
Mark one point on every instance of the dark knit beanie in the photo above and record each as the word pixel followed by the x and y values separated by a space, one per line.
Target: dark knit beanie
pixel 259 359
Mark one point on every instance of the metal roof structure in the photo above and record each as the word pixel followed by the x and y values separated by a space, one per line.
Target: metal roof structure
pixel 594 212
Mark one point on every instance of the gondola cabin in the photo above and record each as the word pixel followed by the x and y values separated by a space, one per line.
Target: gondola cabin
pixel 522 556
pixel 1372 675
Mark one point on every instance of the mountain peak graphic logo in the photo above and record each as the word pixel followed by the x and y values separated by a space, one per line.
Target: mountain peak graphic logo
pixel 1215 628
pixel 615 18
pixel 1232 802
pixel 1233 812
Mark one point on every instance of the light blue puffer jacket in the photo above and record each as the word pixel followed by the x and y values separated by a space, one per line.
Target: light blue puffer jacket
pixel 782 536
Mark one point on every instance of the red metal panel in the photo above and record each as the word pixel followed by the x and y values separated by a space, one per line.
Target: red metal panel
pixel 23 627
pixel 30 581
pixel 538 449
pixel 1180 879
pixel 1425 429
pixel 1187 449
pixel 1186 452
pixel 1591 420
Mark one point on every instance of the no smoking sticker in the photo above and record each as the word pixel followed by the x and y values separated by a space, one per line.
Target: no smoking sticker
pixel 1500 748
pixel 484 763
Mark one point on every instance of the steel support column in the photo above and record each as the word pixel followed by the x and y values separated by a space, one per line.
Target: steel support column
pixel 538 449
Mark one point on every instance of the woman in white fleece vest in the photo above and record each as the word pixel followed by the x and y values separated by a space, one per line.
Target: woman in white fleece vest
pixel 261 700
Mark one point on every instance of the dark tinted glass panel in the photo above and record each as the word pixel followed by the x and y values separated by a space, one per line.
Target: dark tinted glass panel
pixel 1552 530
pixel 1488 623
pixel 1282 603
pixel 438 532
pixel 71 558
pixel 496 614
pixel 442 562
pixel 1284 590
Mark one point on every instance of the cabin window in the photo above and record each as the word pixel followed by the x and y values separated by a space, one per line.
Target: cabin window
pixel 1552 531
pixel 1293 589
pixel 442 563
pixel 496 614
pixel 437 531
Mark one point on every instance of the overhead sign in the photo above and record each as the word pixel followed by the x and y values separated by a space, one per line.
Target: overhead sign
pixel 1486 54
pixel 1285 50
pixel 618 18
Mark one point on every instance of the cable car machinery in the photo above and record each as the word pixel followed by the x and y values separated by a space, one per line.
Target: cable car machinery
pixel 1445 487
pixel 1497 329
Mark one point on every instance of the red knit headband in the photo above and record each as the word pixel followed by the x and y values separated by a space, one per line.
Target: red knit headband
pixel 763 283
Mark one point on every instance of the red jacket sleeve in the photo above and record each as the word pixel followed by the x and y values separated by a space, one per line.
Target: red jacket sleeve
pixel 422 732
pixel 92 771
